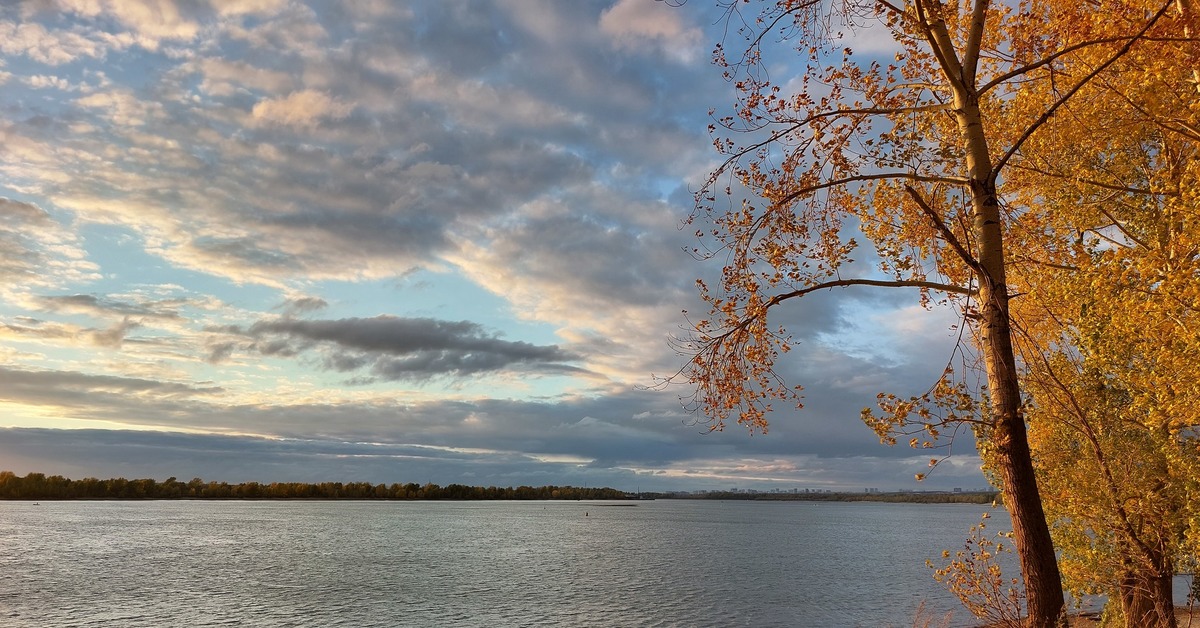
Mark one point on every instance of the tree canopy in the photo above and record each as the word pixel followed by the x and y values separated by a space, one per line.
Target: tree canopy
pixel 1108 319
pixel 944 159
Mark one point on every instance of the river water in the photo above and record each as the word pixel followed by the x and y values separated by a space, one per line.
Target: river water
pixel 495 564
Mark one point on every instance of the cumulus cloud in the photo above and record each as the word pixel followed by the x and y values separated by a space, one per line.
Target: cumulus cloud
pixel 151 21
pixel 121 106
pixel 245 7
pixel 654 26
pixel 223 77
pixel 42 81
pixel 413 157
pixel 304 109
pixel 51 47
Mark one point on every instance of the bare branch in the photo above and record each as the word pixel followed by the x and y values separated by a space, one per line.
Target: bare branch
pixel 838 283
pixel 1089 432
pixel 1049 112
pixel 1038 262
pixel 757 41
pixel 793 125
pixel 1120 227
pixel 1092 182
pixel 951 239
pixel 878 283
pixel 901 176
pixel 1026 69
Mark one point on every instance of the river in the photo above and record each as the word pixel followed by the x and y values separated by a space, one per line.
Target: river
pixel 365 564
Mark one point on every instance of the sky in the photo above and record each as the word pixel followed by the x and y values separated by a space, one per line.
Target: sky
pixel 429 241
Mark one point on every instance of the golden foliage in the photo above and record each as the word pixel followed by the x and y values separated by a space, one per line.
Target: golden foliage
pixel 1004 148
pixel 1106 208
pixel 976 576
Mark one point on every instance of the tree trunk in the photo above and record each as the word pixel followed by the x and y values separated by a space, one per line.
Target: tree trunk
pixel 1147 595
pixel 1031 534
pixel 1147 601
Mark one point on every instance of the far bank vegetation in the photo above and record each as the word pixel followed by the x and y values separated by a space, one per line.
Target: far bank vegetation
pixel 39 486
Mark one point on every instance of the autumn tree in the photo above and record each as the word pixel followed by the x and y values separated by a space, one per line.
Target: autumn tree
pixel 912 152
pixel 1111 413
pixel 1119 491
pixel 1108 315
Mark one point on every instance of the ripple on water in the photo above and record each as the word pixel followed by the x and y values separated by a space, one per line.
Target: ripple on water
pixel 492 565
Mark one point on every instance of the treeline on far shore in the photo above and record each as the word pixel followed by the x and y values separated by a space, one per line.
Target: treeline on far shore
pixel 38 486
pixel 907 497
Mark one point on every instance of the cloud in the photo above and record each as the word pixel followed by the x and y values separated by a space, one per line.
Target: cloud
pixel 405 348
pixel 122 107
pixel 42 81
pixel 604 269
pixel 293 30
pixel 51 47
pixel 302 305
pixel 529 161
pixel 20 251
pixel 81 453
pixel 652 26
pixel 245 7
pixel 151 21
pixel 303 109
pixel 74 388
pixel 223 77
pixel 108 307
pixel 135 454
pixel 114 336
pixel 28 328
pixel 633 434
pixel 404 143
pixel 36 251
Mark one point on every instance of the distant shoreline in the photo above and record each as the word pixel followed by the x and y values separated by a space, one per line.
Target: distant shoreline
pixel 40 487
pixel 899 497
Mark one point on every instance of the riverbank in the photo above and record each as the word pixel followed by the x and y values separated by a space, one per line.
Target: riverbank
pixel 1186 618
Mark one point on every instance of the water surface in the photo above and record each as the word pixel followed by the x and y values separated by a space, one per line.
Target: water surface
pixel 494 564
